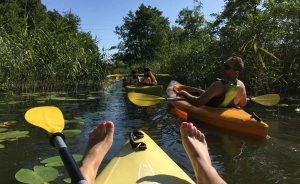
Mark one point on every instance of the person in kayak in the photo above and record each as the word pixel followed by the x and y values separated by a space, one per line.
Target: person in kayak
pixel 229 92
pixel 135 79
pixel 101 139
pixel 149 79
pixel 194 143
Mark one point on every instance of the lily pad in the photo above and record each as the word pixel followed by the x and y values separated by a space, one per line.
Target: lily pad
pixel 67 180
pixel 271 110
pixel 2 146
pixel 283 105
pixel 56 161
pixel 71 132
pixel 3 129
pixel 39 174
pixel 13 134
pixel 79 121
pixel 41 101
pixel 93 98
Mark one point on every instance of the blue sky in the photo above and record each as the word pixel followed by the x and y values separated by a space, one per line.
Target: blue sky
pixel 100 17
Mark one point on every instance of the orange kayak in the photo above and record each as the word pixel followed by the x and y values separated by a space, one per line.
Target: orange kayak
pixel 235 119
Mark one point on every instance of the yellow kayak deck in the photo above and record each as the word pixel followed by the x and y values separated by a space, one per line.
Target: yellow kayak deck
pixel 140 165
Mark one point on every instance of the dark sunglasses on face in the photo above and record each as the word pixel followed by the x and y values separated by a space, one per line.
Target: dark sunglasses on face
pixel 228 67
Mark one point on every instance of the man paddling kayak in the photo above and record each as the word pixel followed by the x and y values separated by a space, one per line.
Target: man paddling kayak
pixel 149 79
pixel 229 92
pixel 193 141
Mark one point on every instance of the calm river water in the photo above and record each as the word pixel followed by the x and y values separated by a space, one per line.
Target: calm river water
pixel 237 158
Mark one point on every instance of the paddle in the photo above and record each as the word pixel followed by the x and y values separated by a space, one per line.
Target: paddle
pixel 142 99
pixel 51 119
pixel 267 100
pixel 148 100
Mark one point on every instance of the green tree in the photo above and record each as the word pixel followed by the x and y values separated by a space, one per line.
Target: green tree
pixel 144 34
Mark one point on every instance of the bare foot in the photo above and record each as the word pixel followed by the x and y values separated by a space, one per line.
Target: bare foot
pixel 100 141
pixel 195 145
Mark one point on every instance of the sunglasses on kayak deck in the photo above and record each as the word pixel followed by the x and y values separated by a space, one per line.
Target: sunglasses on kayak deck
pixel 228 67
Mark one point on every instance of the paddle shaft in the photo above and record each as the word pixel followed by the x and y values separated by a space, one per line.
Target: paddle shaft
pixel 69 162
pixel 175 99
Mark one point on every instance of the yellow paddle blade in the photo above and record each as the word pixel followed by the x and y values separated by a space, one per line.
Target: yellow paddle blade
pixel 115 75
pixel 163 75
pixel 142 99
pixel 267 100
pixel 49 118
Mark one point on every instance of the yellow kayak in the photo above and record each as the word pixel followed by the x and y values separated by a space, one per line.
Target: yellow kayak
pixel 141 160
pixel 150 90
pixel 235 119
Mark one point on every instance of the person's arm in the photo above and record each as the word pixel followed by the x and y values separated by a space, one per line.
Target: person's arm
pixel 154 81
pixel 241 98
pixel 214 90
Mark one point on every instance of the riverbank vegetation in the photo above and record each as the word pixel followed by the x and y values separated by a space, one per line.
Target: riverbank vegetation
pixel 44 51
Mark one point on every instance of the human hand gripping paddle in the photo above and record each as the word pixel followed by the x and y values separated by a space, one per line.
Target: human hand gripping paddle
pixel 51 119
pixel 142 99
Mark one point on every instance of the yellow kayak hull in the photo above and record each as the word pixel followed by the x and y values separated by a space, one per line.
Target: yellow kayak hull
pixel 150 90
pixel 234 119
pixel 152 165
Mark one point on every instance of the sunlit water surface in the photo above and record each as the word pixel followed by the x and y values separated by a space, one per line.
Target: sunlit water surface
pixel 237 158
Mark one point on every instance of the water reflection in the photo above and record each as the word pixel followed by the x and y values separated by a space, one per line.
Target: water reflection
pixel 238 158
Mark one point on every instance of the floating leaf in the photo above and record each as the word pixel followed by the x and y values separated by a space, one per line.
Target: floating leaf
pixel 3 129
pixel 93 98
pixel 13 134
pixel 2 146
pixel 283 105
pixel 271 110
pixel 14 102
pixel 56 161
pixel 71 132
pixel 67 180
pixel 39 102
pixel 79 121
pixel 39 174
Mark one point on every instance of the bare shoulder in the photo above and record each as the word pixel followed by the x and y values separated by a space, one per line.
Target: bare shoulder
pixel 216 88
pixel 241 83
pixel 217 84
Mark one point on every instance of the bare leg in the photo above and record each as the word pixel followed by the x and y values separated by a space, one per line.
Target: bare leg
pixel 100 141
pixel 195 145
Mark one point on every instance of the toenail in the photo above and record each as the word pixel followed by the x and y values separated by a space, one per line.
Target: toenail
pixel 110 125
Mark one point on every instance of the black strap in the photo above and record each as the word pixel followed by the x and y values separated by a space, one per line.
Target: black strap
pixel 253 115
pixel 137 135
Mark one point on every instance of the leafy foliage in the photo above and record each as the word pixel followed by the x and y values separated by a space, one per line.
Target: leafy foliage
pixel 144 35
pixel 44 51
pixel 39 48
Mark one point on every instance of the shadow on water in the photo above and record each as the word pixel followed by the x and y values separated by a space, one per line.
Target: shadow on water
pixel 237 158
